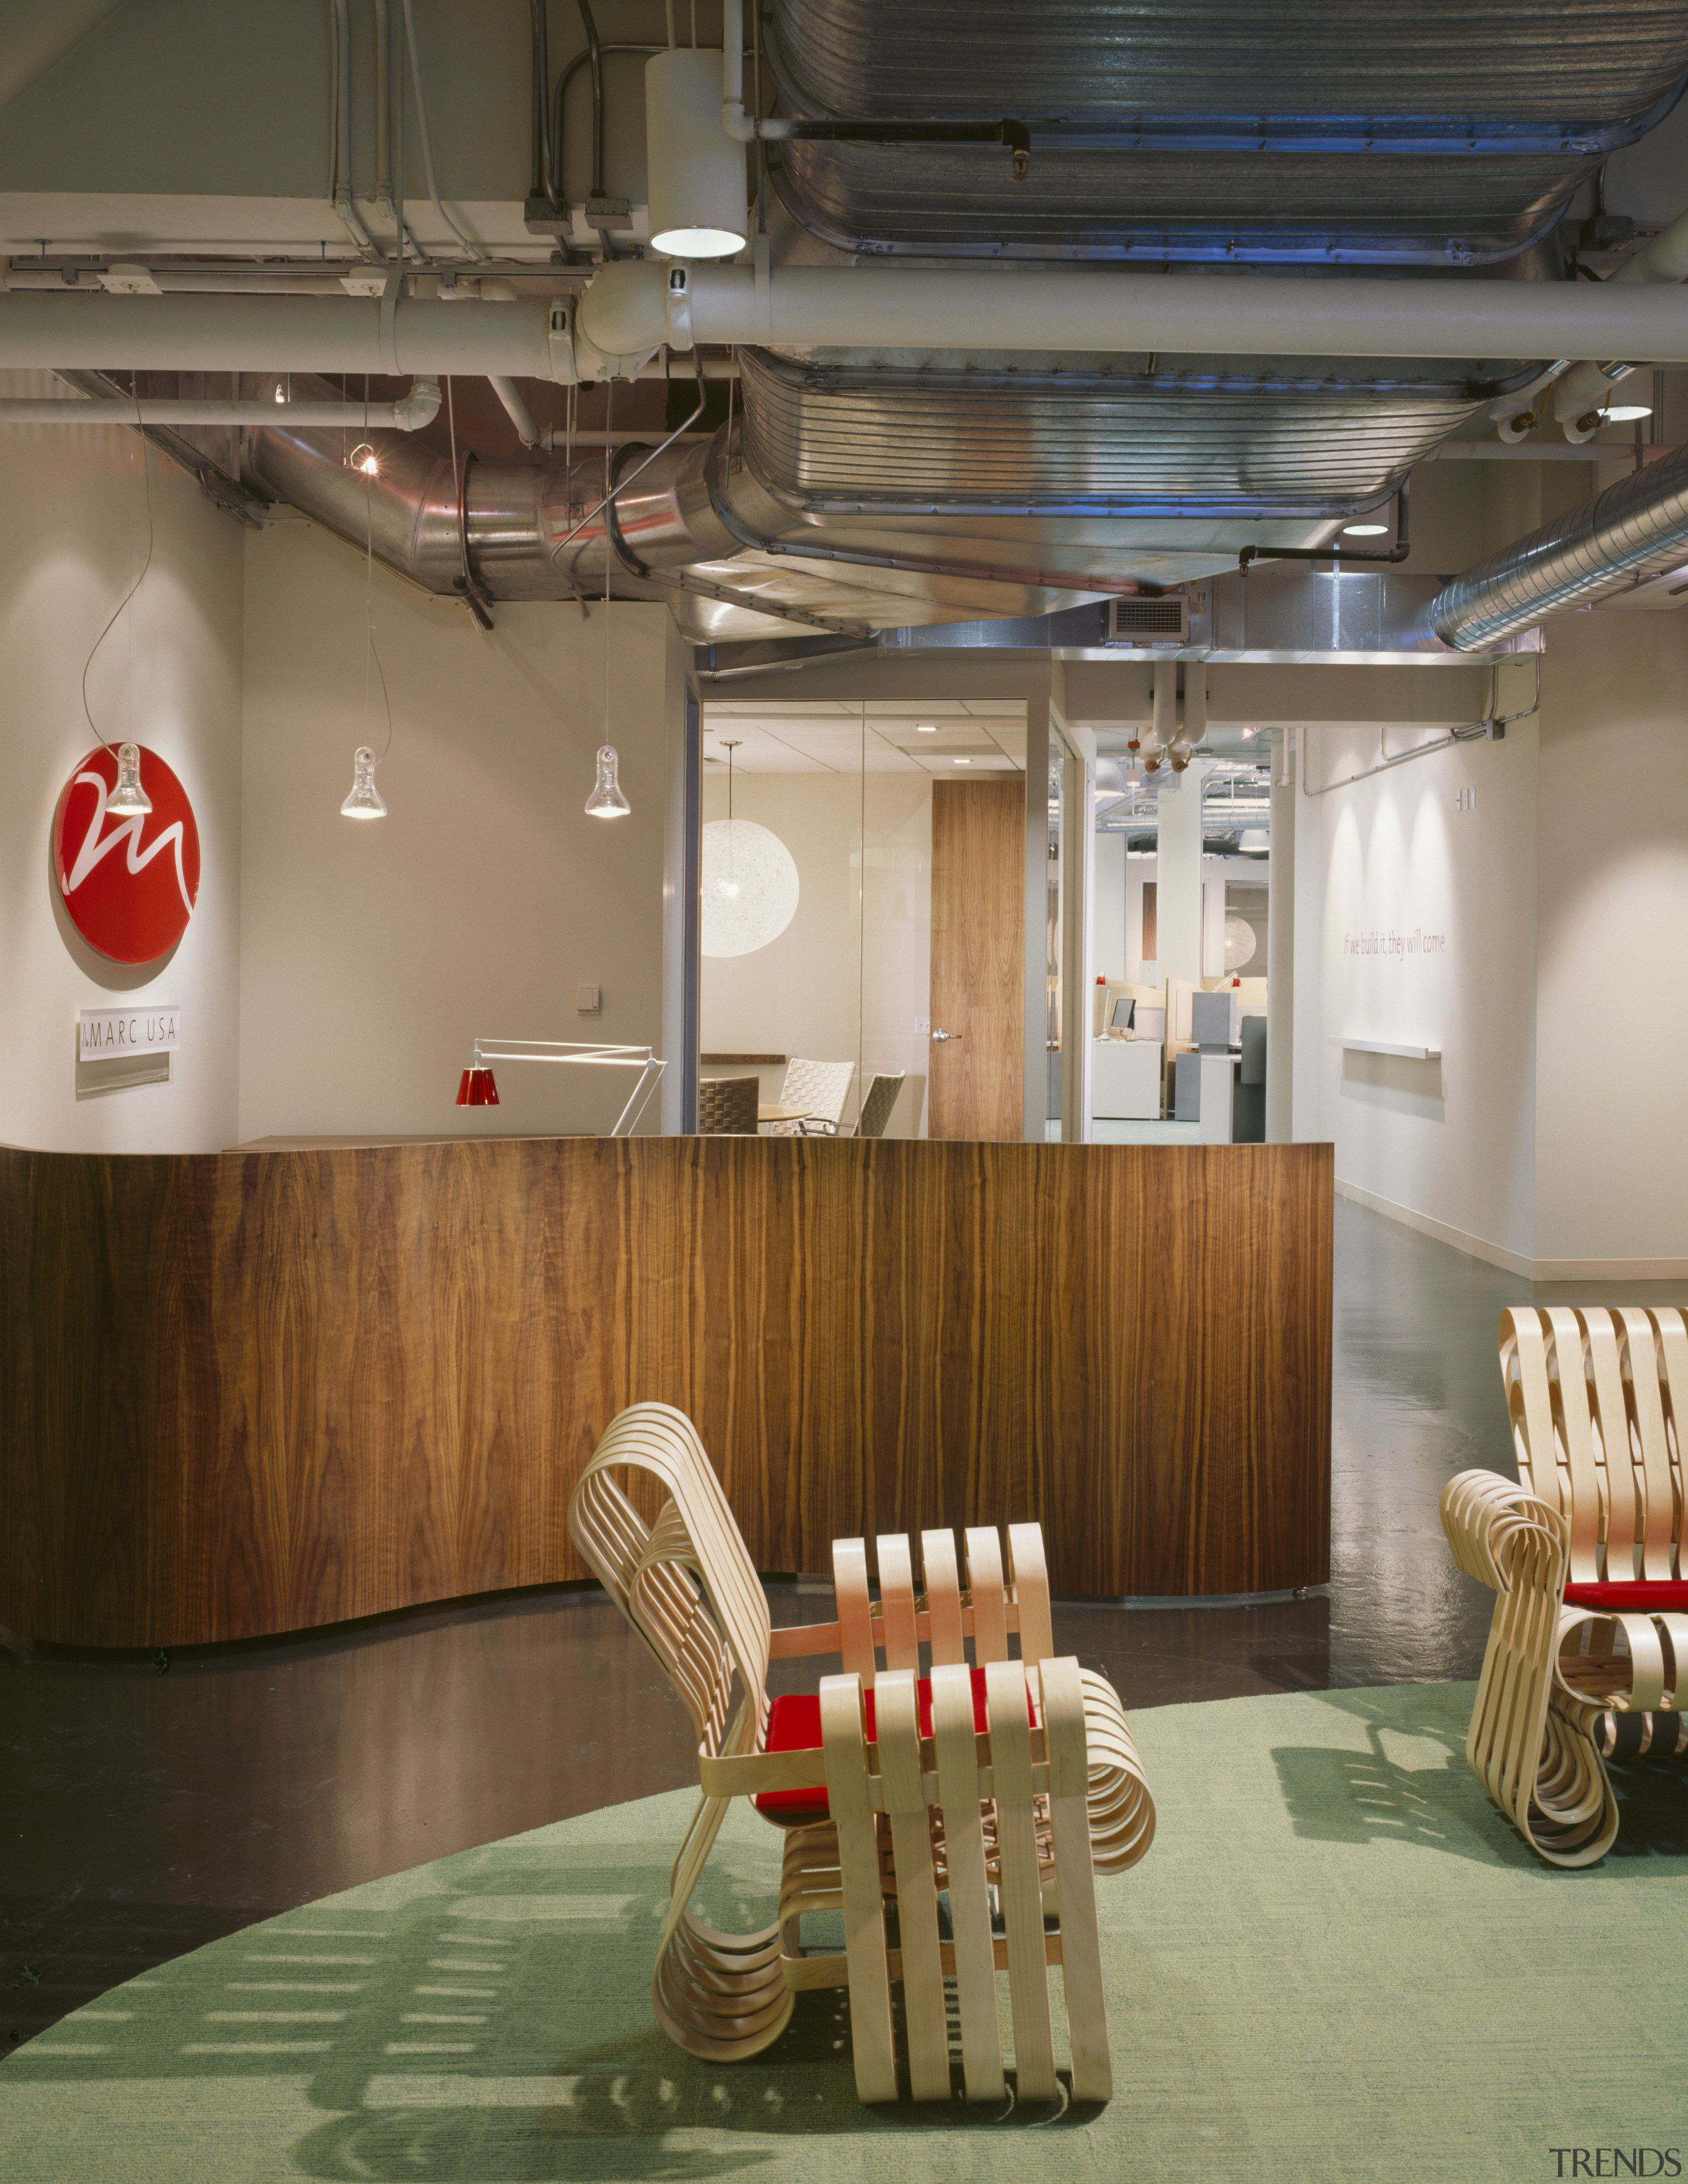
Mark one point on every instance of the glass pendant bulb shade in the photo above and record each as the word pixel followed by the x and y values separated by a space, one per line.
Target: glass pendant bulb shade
pixel 606 800
pixel 696 180
pixel 129 800
pixel 749 887
pixel 365 800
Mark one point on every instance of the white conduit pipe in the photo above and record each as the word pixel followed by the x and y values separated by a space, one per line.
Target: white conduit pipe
pixel 418 408
pixel 1586 388
pixel 283 333
pixel 345 211
pixel 475 251
pixel 515 408
pixel 1163 725
pixel 1099 309
pixel 1194 731
pixel 383 113
pixel 629 317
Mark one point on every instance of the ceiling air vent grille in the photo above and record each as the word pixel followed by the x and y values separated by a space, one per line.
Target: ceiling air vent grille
pixel 1141 621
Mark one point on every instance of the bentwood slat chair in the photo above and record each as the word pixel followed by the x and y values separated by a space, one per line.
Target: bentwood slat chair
pixel 1588 1650
pixel 727 1107
pixel 861 1795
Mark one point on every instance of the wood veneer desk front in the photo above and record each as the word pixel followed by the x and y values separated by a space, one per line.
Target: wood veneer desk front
pixel 262 1391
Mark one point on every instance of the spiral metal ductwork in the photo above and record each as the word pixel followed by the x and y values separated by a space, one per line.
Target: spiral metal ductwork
pixel 1216 129
pixel 1635 529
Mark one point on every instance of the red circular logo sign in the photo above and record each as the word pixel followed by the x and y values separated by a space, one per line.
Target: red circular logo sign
pixel 130 881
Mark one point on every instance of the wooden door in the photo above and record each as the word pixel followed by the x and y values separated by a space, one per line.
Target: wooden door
pixel 979 927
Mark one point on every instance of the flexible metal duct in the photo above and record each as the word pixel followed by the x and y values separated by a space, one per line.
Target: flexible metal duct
pixel 1429 132
pixel 1635 529
pixel 1174 443
pixel 692 531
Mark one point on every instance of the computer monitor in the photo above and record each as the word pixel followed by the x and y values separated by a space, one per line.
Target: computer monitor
pixel 1150 1024
pixel 1121 1018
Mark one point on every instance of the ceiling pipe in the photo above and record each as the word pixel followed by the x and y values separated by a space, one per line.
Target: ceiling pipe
pixel 407 337
pixel 1635 529
pixel 1585 389
pixel 1162 730
pixel 418 408
pixel 1193 730
pixel 515 408
pixel 631 309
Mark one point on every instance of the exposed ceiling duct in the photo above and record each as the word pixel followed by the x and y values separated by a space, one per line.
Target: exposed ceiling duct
pixel 1635 529
pixel 1451 131
pixel 922 443
pixel 1172 436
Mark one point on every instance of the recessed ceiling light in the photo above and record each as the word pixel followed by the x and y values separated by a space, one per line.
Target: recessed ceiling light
pixel 1364 530
pixel 962 761
pixel 1626 413
pixel 925 729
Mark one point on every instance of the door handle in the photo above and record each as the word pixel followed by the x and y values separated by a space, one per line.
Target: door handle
pixel 940 1036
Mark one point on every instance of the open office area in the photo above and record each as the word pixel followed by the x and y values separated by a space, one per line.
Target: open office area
pixel 844 1305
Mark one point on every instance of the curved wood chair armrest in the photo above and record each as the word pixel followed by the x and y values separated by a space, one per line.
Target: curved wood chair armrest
pixel 1485 1516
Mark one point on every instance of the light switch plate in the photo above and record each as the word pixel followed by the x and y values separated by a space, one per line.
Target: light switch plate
pixel 588 1000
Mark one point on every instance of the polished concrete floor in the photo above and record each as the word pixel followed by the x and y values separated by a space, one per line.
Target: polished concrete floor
pixel 142 1813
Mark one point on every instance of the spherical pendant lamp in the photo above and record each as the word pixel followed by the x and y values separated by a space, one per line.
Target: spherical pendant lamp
pixel 749 887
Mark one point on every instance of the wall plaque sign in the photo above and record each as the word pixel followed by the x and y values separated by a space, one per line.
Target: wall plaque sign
pixel 106 1033
pixel 130 881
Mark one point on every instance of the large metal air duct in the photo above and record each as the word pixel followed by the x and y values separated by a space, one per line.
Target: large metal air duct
pixel 500 530
pixel 1635 529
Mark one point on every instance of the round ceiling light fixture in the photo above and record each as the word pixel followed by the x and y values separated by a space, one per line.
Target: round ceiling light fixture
pixel 1626 413
pixel 749 887
pixel 1254 842
pixel 696 180
pixel 1364 530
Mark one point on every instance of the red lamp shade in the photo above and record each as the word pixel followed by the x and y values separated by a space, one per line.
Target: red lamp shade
pixel 477 1090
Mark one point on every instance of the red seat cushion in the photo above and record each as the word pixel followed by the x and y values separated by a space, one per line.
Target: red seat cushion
pixel 1645 1595
pixel 794 1726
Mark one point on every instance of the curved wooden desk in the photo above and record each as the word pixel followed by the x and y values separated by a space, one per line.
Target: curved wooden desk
pixel 258 1391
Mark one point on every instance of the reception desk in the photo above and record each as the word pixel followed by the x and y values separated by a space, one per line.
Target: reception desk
pixel 263 1391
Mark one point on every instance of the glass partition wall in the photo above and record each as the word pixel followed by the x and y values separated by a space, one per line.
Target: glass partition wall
pixel 1182 896
pixel 863 898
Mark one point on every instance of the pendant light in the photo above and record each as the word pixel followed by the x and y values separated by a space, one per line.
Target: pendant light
pixel 750 887
pixel 365 800
pixel 129 800
pixel 606 800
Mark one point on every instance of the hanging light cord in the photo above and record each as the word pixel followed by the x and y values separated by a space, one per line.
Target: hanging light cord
pixel 146 475
pixel 370 651
pixel 609 518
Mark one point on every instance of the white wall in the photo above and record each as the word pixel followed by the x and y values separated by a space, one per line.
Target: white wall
pixel 73 541
pixel 1108 908
pixel 373 954
pixel 850 978
pixel 1612 1029
pixel 1415 924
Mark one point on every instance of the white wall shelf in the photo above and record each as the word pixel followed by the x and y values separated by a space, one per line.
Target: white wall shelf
pixel 1388 1046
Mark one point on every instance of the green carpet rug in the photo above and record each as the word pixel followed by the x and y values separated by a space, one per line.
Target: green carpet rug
pixel 1337 1962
